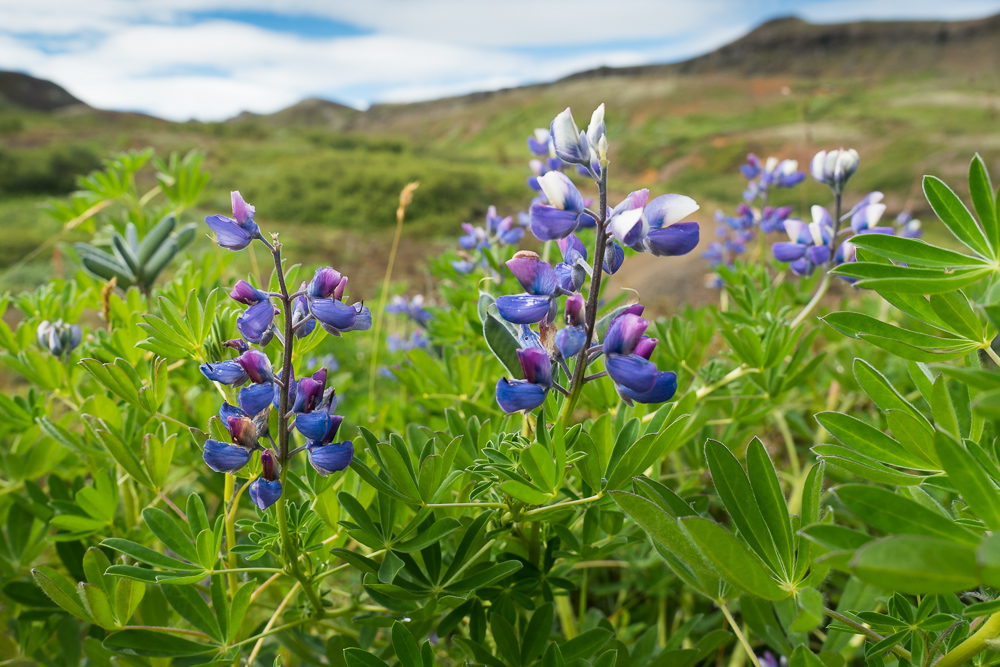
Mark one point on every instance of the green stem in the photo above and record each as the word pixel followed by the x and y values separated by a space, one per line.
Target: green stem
pixel 731 376
pixel 231 561
pixel 562 505
pixel 973 645
pixel 593 296
pixel 824 284
pixel 868 632
pixel 993 355
pixel 786 435
pixel 739 633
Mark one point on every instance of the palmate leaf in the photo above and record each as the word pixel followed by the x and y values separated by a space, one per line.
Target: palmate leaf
pixel 956 217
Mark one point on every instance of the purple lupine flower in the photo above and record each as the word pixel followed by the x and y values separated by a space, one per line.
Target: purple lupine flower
pixel 655 226
pixel 570 339
pixel 541 285
pixel 266 489
pixel 256 320
pixel 463 266
pixel 751 169
pixel 540 143
pixel 302 321
pixel 254 398
pixel 834 168
pixel 414 308
pixel 570 144
pixel 623 365
pixel 810 243
pixel 867 215
pixel 772 218
pixel 783 174
pixel 223 457
pixel 564 211
pixel 237 344
pixel 665 385
pixel 475 238
pixel 58 337
pixel 324 296
pixel 235 234
pixel 309 392
pixel 527 394
pixel 330 457
pixel 614 257
pixel 508 233
pixel 572 271
pixel 257 367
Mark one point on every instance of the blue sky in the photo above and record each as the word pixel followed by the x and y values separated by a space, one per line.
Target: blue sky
pixel 211 59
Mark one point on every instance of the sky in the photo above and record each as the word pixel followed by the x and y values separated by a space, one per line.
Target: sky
pixel 211 59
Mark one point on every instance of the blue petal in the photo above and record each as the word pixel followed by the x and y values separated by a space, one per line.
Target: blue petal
pixel 818 254
pixel 227 411
pixel 221 457
pixel 570 340
pixel 264 493
pixel 802 267
pixel 788 252
pixel 331 458
pixel 523 308
pixel 549 223
pixel 229 234
pixel 516 395
pixel 632 371
pixel 678 239
pixel 255 398
pixel 614 257
pixel 335 313
pixel 363 319
pixel 255 320
pixel 663 390
pixel 313 425
pixel 226 372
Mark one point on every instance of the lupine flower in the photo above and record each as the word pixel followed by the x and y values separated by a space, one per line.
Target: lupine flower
pixel 256 320
pixel 624 366
pixel 655 226
pixel 563 213
pixel 58 337
pixel 614 257
pixel 309 392
pixel 255 397
pixel 751 169
pixel 223 457
pixel 835 167
pixel 325 455
pixel 414 308
pixel 772 218
pixel 463 266
pixel 475 238
pixel 540 143
pixel 867 216
pixel 572 271
pixel 257 366
pixel 266 489
pixel 907 226
pixel 809 245
pixel 571 145
pixel 665 385
pixel 541 287
pixel 529 393
pixel 302 321
pixel 229 372
pixel 235 234
pixel 323 296
pixel 783 174
pixel 571 338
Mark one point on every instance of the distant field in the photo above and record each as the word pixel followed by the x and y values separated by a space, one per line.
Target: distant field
pixel 335 192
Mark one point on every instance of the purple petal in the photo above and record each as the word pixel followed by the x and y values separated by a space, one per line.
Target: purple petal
pixel 523 308
pixel 221 457
pixel 678 239
pixel 574 309
pixel 313 425
pixel 243 431
pixel 549 223
pixel 572 249
pixel 570 278
pixel 264 493
pixel 256 365
pixel 570 340
pixel 516 395
pixel 536 276
pixel 332 312
pixel 228 233
pixel 331 458
pixel 788 252
pixel 362 320
pixel 668 210
pixel 818 254
pixel 255 398
pixel 561 192
pixel 324 282
pixel 247 294
pixel 627 226
pixel 632 371
pixel 624 334
pixel 802 267
pixel 536 366
pixel 644 348
pixel 255 320
pixel 566 138
pixel 242 211
pixel 635 200
pixel 227 412
pixel 663 389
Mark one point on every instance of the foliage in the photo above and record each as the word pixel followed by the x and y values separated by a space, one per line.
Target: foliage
pixel 810 482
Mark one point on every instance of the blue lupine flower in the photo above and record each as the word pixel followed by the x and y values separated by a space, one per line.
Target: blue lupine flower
pixel 541 287
pixel 225 372
pixel 783 174
pixel 751 169
pixel 907 226
pixel 255 398
pixel 571 339
pixel 572 271
pixel 238 233
pixel 868 214
pixel 772 218
pixel 614 257
pixel 655 227
pixel 223 457
pixel 414 308
pixel 463 266
pixel 255 320
pixel 58 337
pixel 834 168
pixel 540 143
pixel 665 385
pixel 563 213
pixel 529 393
pixel 309 392
pixel 257 366
pixel 301 320
pixel 571 145
pixel 810 243
pixel 475 238
pixel 331 457
pixel 266 489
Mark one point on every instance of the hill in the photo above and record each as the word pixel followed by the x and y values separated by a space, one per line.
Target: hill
pixel 22 91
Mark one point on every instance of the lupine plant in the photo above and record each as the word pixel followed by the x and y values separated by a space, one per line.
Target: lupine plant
pixel 805 474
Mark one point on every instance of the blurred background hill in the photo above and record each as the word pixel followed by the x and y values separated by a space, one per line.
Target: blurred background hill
pixel 912 97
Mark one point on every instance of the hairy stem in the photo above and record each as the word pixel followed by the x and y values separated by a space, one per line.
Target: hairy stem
pixel 231 562
pixel 867 632
pixel 739 633
pixel 580 370
pixel 972 646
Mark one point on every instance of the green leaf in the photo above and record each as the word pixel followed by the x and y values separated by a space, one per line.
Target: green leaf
pixel 943 409
pixel 506 639
pixel 405 646
pixel 969 479
pixel 524 492
pixel 882 392
pixel 894 513
pixel 867 439
pixel 981 190
pixel 128 595
pixel 771 500
pixel 537 462
pixel 916 565
pixel 490 575
pixel 866 467
pixel 97 605
pixel 502 342
pixel 399 472
pixel 537 633
pixel 810 604
pixel 954 308
pixel 170 533
pixel 662 527
pixel 435 533
pixel 734 489
pixel 914 251
pixel 734 563
pixel 190 605
pixel 61 591
pixel 956 217
pixel 585 644
pixel 155 644
pixel 908 280
pixel 645 451
pixel 148 556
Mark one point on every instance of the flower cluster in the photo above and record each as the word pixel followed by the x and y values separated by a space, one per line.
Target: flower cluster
pixel 496 231
pixel 657 226
pixel 58 337
pixel 414 311
pixel 308 401
pixel 772 173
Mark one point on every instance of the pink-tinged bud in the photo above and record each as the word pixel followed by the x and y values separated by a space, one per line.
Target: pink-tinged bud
pixel 243 432
pixel 338 292
pixel 574 309
pixel 257 366
pixel 324 282
pixel 269 465
pixel 242 211
pixel 644 348
pixel 247 294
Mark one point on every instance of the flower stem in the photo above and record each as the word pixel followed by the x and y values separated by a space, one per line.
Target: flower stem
pixel 231 562
pixel 973 645
pixel 820 291
pixel 739 633
pixel 868 632
pixel 580 370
